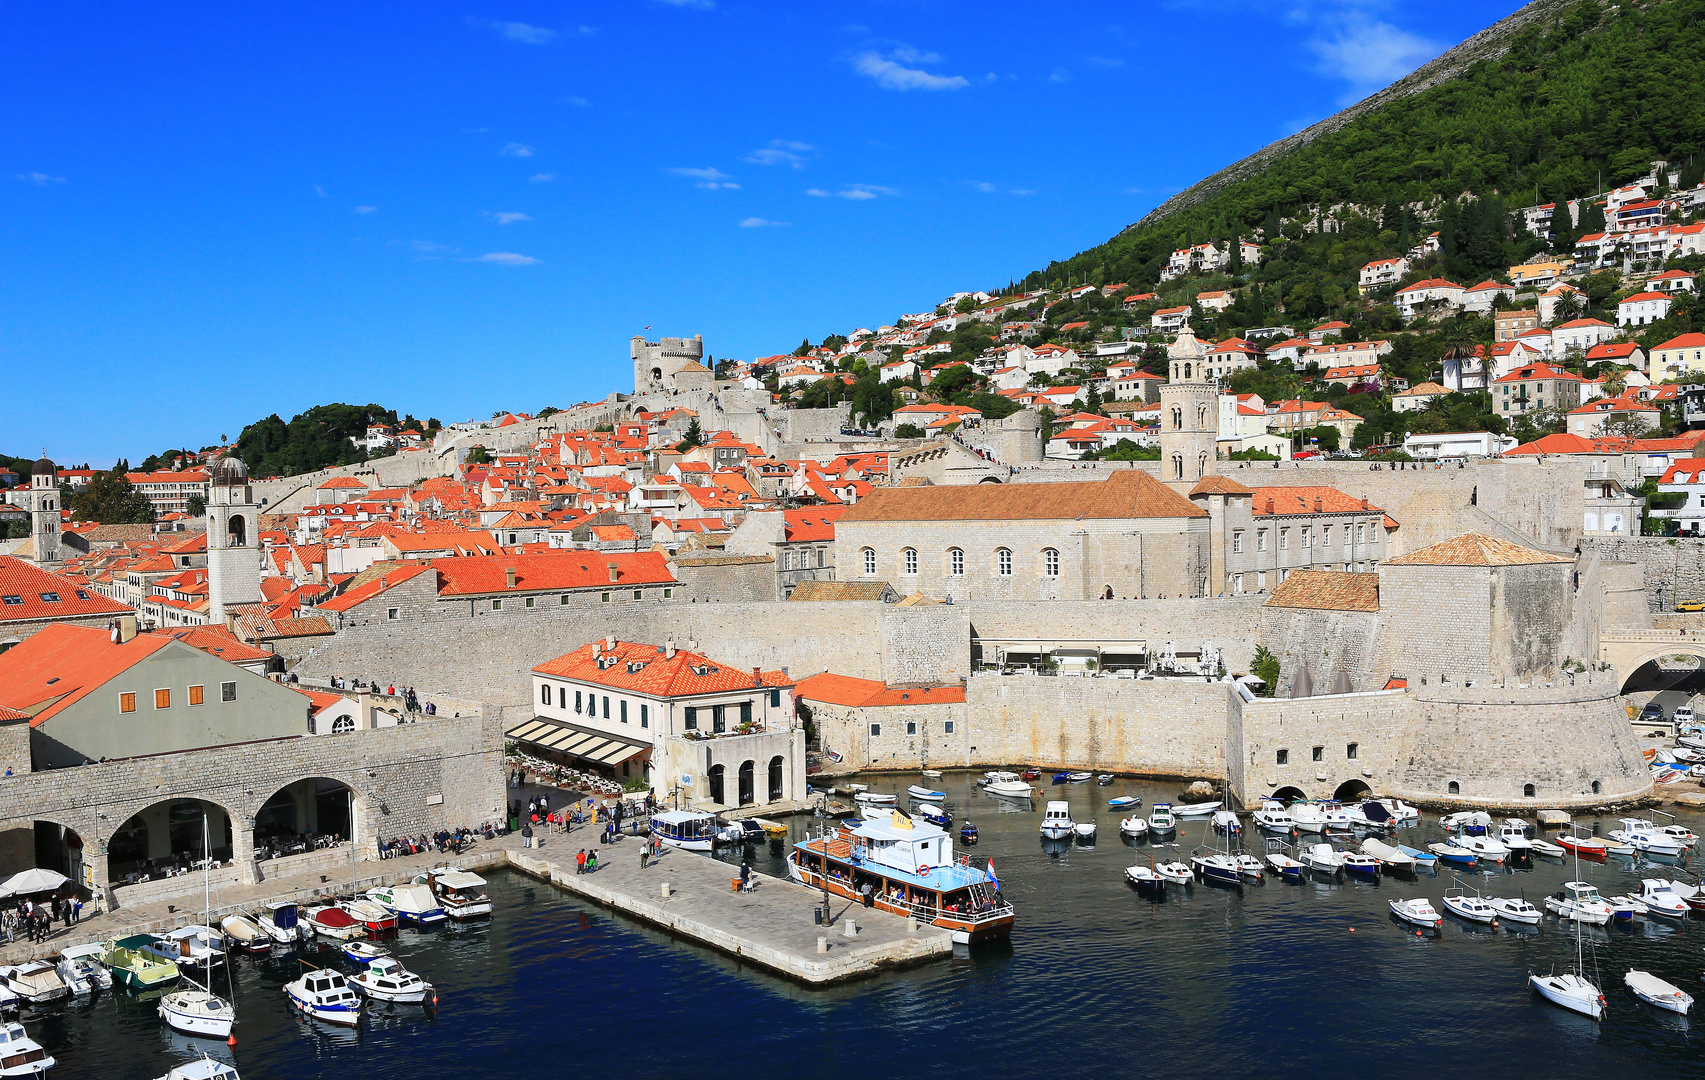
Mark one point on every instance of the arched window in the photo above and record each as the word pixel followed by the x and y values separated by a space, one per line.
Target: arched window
pixel 775 778
pixel 1050 562
pixel 1201 464
pixel 1201 416
pixel 1003 562
pixel 342 724
pixel 910 559
pixel 1453 788
pixel 1527 791
pixel 236 531
pixel 1595 787
pixel 1178 466
pixel 1186 372
pixel 956 562
pixel 1177 418
pixel 869 561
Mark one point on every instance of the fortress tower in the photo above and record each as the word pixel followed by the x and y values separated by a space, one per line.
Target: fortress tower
pixel 233 540
pixel 656 363
pixel 1189 415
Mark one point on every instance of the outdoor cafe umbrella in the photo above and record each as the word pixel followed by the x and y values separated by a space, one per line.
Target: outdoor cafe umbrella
pixel 37 880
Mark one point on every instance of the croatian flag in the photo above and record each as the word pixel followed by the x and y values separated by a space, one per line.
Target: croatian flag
pixel 992 878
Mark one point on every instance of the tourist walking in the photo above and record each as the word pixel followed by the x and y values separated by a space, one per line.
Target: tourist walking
pixel 580 862
pixel 644 855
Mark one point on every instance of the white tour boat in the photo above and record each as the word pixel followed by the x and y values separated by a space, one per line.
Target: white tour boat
pixel 1272 816
pixel 21 1055
pixel 409 903
pixel 387 980
pixel 459 893
pixel 325 995
pixel 1580 902
pixel 1655 991
pixel 1417 911
pixel 1057 821
pixel 692 830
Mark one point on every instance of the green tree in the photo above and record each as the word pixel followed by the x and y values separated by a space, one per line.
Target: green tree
pixel 111 499
pixel 478 456
pixel 695 437
pixel 804 347
pixel 195 506
pixel 954 380
pixel 908 431
pixel 1265 668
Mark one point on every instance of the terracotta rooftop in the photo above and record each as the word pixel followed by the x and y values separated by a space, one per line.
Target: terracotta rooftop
pixel 844 690
pixel 1475 549
pixel 647 669
pixel 29 592
pixel 1219 485
pixel 1128 493
pixel 1327 590
pixel 839 590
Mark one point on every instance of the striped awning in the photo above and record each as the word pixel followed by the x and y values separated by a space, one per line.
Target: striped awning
pixel 598 747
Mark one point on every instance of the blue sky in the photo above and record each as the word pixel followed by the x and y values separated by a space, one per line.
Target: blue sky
pixel 212 212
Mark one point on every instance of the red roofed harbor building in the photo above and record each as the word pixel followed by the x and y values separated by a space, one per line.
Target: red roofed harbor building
pixel 695 731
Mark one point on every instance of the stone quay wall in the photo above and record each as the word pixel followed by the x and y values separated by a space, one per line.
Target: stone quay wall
pixel 1315 745
pixel 1231 623
pixel 1671 569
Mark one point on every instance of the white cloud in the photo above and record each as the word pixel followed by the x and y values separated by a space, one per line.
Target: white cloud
pixel 320 191
pixel 577 102
pixel 1060 75
pixel 985 187
pixel 1369 54
pixel 855 192
pixel 817 193
pixel 516 149
pixel 699 5
pixel 775 155
pixel 891 75
pixel 789 144
pixel 40 179
pixel 708 178
pixel 508 217
pixel 760 223
pixel 365 209
pixel 506 258
pixel 542 177
pixel 520 31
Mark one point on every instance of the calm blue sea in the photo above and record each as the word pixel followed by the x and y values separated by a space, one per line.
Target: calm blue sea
pixel 1290 979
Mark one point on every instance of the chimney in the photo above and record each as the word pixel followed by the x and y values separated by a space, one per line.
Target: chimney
pixel 1269 506
pixel 1317 504
pixel 509 577
pixel 692 645
pixel 126 628
pixel 1364 502
pixel 612 568
pixel 610 643
pixel 668 650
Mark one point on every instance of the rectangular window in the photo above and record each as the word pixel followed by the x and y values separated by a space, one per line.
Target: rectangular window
pixel 562 601
pixel 1283 757
pixel 1261 540
pixel 497 605
pixel 624 710
pixel 606 706
pixel 775 699
pixel 691 722
pixel 1261 580
pixel 127 703
pixel 227 691
pixel 719 718
pixel 1350 751
pixel 544 693
pixel 562 697
pixel 644 715
pixel 391 614
pixel 195 694
pixel 529 601
pixel 1361 534
pixel 638 594
pixel 875 730
pixel 1319 753
pixel 745 712
pixel 1307 537
pixel 1237 541
pixel 1284 539
pixel 1326 536
pixel 162 699
pixel 947 727
pixel 603 598
pixel 911 727
pixel 668 594
pixel 1237 583
pixel 577 701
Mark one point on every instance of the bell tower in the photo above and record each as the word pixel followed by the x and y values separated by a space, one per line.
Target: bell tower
pixel 233 540
pixel 46 525
pixel 1189 416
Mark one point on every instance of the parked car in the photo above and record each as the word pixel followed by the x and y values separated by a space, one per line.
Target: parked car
pixel 1683 715
pixel 1652 713
pixel 1691 605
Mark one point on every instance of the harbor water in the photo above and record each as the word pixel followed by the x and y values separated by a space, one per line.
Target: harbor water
pixel 1295 979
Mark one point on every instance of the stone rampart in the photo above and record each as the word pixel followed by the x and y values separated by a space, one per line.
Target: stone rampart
pixel 1231 623
pixel 1671 569
pixel 1316 745
pixel 1327 642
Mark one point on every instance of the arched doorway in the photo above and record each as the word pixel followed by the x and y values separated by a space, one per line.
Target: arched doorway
pixel 776 770
pixel 1289 794
pixel 1352 791
pixel 748 771
pixel 302 815
pixel 718 776
pixel 168 836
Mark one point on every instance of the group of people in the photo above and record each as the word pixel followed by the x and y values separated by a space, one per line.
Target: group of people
pixel 33 921
pixel 444 840
pixel 411 702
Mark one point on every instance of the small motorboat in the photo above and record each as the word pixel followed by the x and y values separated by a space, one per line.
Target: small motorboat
pixel 1308 816
pixel 1123 801
pixel 1200 809
pixel 1655 991
pixel 1645 838
pixel 876 798
pixel 1134 826
pixel 134 967
pixel 333 922
pixel 409 903
pixel 1085 830
pixel 967 834
pixel 932 774
pixel 1469 905
pixel 1356 862
pixel 205 1069
pixel 1060 778
pixel 1425 860
pixel 935 815
pixel 1570 991
pixel 1057 821
pixel 1661 899
pixel 1079 777
pixel 995 776
pixel 1282 863
pixel 917 791
pixel 1322 858
pixel 1399 809
pixel 1452 853
pixel 1585 847
pixel 1624 907
pixel 1469 822
pixel 1216 866
pixel 1484 847
pixel 1388 854
pixel 461 894
pixel 35 982
pixel 195 949
pixel 1011 789
pixel 1336 816
pixel 850 789
pixel 21 1055
pixel 282 923
pixel 1145 877
pixel 1104 779
pixel 81 970
pixel 1161 819
pixel 1580 902
pixel 363 952
pixel 1514 909
pixel 387 980
pixel 195 1011
pixel 1417 911
pixel 375 917
pixel 1273 817
pixel 1249 866
pixel 1027 774
pixel 1175 873
pixel 1545 848
pixel 1680 834
pixel 325 995
pixel 1227 821
pixel 775 830
pixel 1689 892
pixel 1371 815
pixel 245 933
pixel 1515 839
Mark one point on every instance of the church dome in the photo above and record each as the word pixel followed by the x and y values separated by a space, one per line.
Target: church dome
pixel 227 471
pixel 44 467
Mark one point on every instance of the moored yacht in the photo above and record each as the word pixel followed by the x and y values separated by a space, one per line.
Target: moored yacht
pixel 461 894
pixel 21 1055
pixel 1580 902
pixel 387 980
pixel 1272 816
pixel 195 1011
pixel 409 903
pixel 325 995
pixel 1057 821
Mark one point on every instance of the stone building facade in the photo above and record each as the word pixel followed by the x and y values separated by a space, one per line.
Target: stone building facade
pixel 656 364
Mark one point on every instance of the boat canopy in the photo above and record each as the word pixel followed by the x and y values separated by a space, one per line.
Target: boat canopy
pixel 1375 811
pixel 461 879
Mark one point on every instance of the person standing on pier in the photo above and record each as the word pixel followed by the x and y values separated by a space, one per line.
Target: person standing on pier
pixel 644 855
pixel 580 862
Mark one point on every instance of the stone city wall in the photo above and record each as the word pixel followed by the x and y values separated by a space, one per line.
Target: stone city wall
pixel 725 579
pixel 1672 569
pixel 1328 642
pixel 1316 745
pixel 1231 623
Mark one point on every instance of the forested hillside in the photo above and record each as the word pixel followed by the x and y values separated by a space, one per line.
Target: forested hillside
pixel 314 439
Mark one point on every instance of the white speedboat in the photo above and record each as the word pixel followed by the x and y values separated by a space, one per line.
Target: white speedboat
pixel 998 777
pixel 1655 991
pixel 1134 826
pixel 1485 848
pixel 205 1069
pixel 1336 816
pixel 1272 816
pixel 1322 858
pixel 459 893
pixel 1175 873
pixel 1571 991
pixel 918 791
pixel 245 933
pixel 1680 834
pixel 1010 789
pixel 1308 817
pixel 1579 901
pixel 197 1012
pixel 1624 907
pixel 1200 809
pixel 1057 821
pixel 199 948
pixel 35 982
pixel 1085 830
pixel 1250 867
pixel 1417 911
pixel 1389 854
pixel 387 980
pixel 1514 909
pixel 1145 877
pixel 1515 838
pixel 1356 862
pixel 1281 863
pixel 1226 821
pixel 1161 818
pixel 932 774
pixel 1399 810
pixel 325 995
pixel 363 952
pixel 1216 866
pixel 81 970
pixel 1645 838
pixel 409 903
pixel 282 922
pixel 21 1055
pixel 1470 906
pixel 1661 899
pixel 876 798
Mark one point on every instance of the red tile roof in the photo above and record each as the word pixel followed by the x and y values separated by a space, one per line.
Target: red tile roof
pixel 656 674
pixel 216 641
pixel 812 524
pixel 1308 500
pixel 845 690
pixel 61 664
pixel 477 575
pixel 30 585
pixel 369 589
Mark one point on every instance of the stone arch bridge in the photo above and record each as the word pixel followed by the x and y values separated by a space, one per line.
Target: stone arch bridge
pixel 1630 650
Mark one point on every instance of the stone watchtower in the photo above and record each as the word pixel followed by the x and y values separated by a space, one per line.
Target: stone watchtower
pixel 233 540
pixel 655 363
pixel 45 523
pixel 1189 415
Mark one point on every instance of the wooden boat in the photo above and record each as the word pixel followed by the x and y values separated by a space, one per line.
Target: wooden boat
pixel 1123 801
pixel 246 933
pixel 131 966
pixel 917 791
